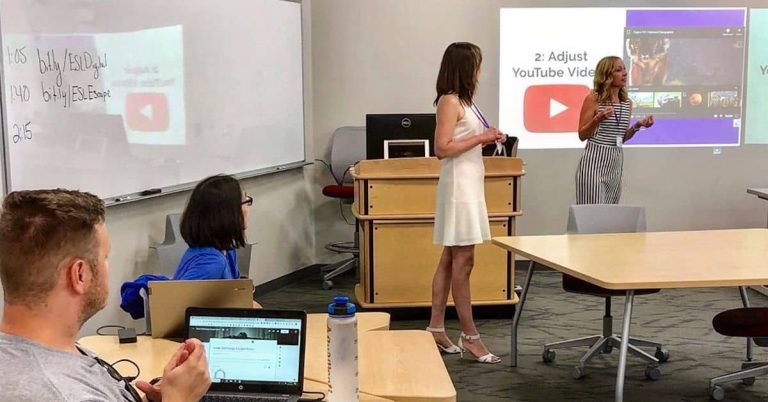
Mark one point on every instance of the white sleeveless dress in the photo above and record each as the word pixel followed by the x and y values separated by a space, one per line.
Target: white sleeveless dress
pixel 461 217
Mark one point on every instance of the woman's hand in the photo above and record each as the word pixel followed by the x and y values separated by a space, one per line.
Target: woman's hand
pixel 646 122
pixel 604 114
pixel 491 135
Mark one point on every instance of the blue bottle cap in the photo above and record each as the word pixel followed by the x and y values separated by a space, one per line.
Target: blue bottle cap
pixel 341 307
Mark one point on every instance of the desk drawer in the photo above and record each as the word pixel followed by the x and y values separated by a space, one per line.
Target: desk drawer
pixel 404 197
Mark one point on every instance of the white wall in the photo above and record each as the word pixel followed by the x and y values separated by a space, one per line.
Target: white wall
pixel 382 56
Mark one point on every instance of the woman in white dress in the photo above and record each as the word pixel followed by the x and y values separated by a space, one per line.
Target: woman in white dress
pixel 461 218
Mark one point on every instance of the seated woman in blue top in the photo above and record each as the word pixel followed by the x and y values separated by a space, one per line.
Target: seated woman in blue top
pixel 213 225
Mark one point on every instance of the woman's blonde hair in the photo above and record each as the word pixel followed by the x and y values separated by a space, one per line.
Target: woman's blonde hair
pixel 602 82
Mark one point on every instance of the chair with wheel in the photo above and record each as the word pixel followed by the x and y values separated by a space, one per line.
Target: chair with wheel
pixel 748 322
pixel 347 148
pixel 605 218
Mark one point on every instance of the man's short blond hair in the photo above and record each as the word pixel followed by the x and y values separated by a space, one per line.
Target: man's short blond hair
pixel 40 231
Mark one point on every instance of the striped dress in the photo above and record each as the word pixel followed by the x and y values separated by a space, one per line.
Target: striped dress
pixel 598 176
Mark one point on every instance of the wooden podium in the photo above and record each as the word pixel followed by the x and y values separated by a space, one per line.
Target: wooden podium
pixel 395 208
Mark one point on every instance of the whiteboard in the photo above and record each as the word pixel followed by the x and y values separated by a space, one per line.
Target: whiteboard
pixel 117 97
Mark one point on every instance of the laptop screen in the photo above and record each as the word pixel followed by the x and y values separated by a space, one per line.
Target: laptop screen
pixel 250 350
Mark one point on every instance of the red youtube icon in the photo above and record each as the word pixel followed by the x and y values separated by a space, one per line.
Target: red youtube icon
pixel 146 111
pixel 553 108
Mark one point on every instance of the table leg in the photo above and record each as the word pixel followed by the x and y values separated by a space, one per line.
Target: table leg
pixel 519 311
pixel 745 301
pixel 624 345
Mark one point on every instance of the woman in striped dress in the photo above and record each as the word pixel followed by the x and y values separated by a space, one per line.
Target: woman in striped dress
pixel 604 124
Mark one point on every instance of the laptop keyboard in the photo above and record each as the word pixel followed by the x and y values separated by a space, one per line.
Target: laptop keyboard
pixel 244 398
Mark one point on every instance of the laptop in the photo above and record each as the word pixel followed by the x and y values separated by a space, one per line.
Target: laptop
pixel 168 301
pixel 253 354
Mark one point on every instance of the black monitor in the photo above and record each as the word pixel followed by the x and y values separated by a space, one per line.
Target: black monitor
pixel 410 126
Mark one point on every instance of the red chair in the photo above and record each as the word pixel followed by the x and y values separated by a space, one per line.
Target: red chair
pixel 347 148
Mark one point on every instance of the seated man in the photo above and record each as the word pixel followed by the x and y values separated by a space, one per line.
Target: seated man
pixel 54 272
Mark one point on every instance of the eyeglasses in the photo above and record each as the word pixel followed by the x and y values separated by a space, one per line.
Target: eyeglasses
pixel 118 377
pixel 248 201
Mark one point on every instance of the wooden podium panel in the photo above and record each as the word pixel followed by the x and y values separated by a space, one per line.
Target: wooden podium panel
pixel 404 261
pixel 395 203
pixel 401 197
pixel 419 196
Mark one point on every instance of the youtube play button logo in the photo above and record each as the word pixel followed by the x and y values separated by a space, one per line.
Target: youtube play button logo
pixel 553 108
pixel 146 111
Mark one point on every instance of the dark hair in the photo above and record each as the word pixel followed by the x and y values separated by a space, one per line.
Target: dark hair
pixel 39 229
pixel 458 71
pixel 214 214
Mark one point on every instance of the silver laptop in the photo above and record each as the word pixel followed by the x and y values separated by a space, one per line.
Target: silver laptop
pixel 253 355
pixel 168 301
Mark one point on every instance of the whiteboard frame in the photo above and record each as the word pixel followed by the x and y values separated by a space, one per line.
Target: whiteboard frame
pixel 136 196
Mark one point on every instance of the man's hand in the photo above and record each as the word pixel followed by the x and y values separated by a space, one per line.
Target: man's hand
pixel 185 377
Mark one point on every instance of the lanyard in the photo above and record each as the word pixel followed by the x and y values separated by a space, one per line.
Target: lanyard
pixel 480 116
pixel 617 116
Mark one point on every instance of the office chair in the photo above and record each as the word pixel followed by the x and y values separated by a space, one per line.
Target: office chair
pixel 347 148
pixel 747 322
pixel 605 218
pixel 169 252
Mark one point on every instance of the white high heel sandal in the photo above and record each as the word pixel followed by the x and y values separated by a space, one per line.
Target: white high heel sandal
pixel 451 350
pixel 489 358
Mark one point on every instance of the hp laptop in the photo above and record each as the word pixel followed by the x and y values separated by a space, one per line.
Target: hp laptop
pixel 253 355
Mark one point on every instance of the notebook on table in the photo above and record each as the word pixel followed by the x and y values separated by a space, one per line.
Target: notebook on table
pixel 253 354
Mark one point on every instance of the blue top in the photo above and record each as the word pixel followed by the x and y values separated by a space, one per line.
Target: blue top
pixel 130 293
pixel 207 263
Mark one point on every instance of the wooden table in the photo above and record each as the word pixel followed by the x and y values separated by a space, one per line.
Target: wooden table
pixel 630 261
pixel 392 364
pixel 398 365
pixel 761 193
pixel 317 323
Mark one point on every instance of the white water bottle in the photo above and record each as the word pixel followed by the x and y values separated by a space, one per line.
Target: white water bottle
pixel 342 351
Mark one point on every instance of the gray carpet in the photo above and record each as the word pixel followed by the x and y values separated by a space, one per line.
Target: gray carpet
pixel 681 319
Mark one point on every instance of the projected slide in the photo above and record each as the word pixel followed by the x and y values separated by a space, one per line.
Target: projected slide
pixel 98 82
pixel 148 87
pixel 685 67
pixel 756 125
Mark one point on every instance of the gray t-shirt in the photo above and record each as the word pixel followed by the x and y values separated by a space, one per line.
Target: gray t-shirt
pixel 31 372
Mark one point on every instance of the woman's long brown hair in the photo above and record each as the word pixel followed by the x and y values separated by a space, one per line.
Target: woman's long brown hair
pixel 458 71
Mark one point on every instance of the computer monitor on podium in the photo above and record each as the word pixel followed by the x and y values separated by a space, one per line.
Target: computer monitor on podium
pixel 404 126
